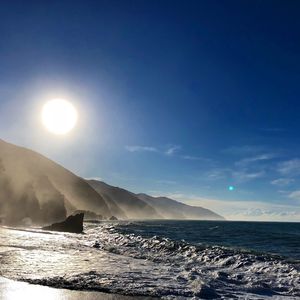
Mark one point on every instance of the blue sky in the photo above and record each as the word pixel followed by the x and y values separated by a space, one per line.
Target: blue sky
pixel 177 98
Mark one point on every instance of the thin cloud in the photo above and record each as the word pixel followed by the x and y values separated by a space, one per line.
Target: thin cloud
pixel 270 213
pixel 243 150
pixel 218 173
pixel 238 175
pixel 295 195
pixel 282 181
pixel 141 149
pixel 243 176
pixel 289 167
pixel 167 182
pixel 254 159
pixel 172 150
pixel 238 210
pixel 191 157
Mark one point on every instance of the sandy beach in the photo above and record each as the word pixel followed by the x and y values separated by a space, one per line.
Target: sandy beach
pixel 15 290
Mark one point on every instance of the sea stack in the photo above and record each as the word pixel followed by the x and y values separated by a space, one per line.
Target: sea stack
pixel 72 224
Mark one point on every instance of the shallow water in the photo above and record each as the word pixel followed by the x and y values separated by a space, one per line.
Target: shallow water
pixel 216 259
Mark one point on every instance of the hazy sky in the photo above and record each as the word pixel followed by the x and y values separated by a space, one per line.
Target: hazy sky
pixel 178 98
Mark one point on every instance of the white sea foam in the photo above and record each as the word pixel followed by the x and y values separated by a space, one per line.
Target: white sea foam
pixel 105 259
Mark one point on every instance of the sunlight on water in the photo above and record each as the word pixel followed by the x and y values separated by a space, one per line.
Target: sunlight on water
pixel 13 291
pixel 139 258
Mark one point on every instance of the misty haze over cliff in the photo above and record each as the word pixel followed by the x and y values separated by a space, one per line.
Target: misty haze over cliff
pixel 147 207
pixel 34 189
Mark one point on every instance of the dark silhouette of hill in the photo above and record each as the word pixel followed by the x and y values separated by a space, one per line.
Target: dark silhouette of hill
pixel 35 187
pixel 172 209
pixel 124 203
pixel 146 207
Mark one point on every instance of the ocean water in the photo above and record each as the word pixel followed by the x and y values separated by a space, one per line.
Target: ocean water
pixel 164 259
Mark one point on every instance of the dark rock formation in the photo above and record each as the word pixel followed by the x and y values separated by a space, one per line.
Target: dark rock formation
pixel 96 245
pixel 113 218
pixel 71 224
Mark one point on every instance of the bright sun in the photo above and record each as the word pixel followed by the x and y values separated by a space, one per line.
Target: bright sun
pixel 59 116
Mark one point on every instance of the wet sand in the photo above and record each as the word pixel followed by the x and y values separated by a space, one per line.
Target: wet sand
pixel 15 290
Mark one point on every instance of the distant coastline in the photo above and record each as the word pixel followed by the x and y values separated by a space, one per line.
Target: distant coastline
pixel 38 191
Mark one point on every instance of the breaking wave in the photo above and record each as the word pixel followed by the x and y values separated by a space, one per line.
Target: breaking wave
pixel 162 267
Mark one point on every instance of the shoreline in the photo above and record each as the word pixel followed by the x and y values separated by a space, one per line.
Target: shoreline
pixel 15 290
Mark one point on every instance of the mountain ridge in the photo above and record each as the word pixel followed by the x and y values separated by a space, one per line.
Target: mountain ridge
pixel 36 189
pixel 166 208
pixel 20 166
pixel 171 208
pixel 134 207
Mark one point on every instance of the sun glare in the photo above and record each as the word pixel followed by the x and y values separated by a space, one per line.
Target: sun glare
pixel 59 116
